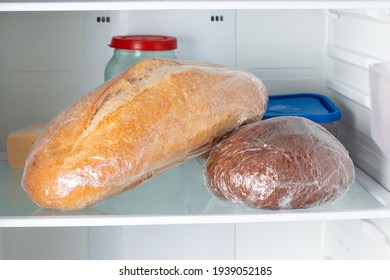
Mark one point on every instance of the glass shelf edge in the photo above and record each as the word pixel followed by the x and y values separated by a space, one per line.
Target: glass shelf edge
pixel 95 221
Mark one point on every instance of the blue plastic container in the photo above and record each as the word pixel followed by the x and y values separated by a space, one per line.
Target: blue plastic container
pixel 314 106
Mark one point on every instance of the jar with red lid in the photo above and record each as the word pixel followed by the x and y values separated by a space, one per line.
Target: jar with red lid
pixel 130 49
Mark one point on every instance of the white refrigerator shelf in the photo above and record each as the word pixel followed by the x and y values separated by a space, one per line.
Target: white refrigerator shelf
pixel 179 196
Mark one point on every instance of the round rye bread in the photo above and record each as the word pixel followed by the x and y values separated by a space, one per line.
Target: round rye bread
pixel 279 163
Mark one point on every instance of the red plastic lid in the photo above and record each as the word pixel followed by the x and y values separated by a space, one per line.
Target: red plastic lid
pixel 144 42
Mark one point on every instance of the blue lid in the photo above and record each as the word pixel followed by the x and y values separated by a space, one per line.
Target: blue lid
pixel 313 106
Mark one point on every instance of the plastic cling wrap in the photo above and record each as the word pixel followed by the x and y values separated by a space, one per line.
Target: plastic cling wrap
pixel 280 163
pixel 155 115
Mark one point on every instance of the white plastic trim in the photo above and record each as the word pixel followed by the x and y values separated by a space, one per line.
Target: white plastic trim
pixel 187 5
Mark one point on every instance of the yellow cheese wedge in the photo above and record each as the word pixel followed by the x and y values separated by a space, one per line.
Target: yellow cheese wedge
pixel 19 143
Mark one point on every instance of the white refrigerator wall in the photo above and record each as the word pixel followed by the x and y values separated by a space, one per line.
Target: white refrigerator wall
pixel 345 239
pixel 44 243
pixel 49 59
pixel 277 240
pixel 285 48
pixel 41 67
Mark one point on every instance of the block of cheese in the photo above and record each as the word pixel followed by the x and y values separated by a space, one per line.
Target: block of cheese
pixel 19 143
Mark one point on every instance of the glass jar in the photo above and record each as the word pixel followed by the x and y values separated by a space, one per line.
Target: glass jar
pixel 130 49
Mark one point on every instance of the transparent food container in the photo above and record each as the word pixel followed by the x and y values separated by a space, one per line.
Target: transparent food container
pixel 130 49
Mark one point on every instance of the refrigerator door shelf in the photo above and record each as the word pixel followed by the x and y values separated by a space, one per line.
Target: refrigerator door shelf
pixel 179 197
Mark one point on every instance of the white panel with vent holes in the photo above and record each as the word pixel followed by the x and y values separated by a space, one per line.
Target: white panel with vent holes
pixel 201 35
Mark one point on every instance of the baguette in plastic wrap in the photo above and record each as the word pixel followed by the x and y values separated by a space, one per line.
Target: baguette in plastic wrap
pixel 279 163
pixel 155 115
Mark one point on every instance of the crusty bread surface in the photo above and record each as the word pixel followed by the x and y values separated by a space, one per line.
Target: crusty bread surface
pixel 155 115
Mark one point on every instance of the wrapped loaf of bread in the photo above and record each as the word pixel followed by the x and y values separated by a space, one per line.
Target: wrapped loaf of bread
pixel 279 163
pixel 155 115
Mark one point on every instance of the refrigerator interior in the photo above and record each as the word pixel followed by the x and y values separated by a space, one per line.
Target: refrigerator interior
pixel 48 59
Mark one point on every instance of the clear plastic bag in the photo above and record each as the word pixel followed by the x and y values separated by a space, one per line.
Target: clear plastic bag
pixel 279 163
pixel 154 116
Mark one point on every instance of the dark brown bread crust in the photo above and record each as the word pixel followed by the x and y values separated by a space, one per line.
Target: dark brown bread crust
pixel 280 163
